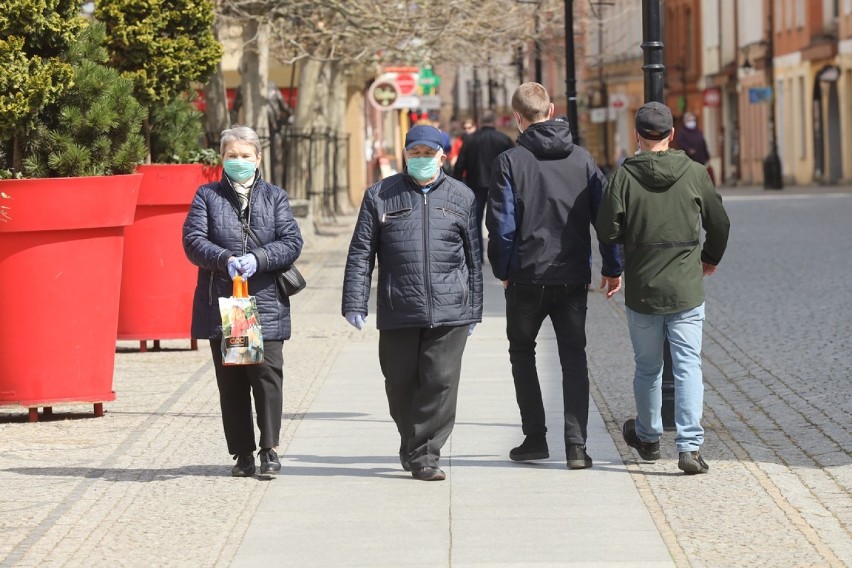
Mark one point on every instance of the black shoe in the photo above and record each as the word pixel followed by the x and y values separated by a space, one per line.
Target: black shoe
pixel 533 448
pixel 403 458
pixel 692 463
pixel 648 451
pixel 269 464
pixel 244 466
pixel 429 473
pixel 577 457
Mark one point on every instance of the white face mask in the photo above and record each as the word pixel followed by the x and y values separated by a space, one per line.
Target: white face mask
pixel 689 124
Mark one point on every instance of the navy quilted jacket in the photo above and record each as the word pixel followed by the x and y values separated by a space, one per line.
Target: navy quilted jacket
pixel 427 248
pixel 213 232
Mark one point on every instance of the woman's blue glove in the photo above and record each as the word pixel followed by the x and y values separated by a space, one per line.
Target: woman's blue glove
pixel 234 267
pixel 356 320
pixel 248 265
pixel 470 329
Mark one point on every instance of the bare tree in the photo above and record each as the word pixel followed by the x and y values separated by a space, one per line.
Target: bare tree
pixel 330 40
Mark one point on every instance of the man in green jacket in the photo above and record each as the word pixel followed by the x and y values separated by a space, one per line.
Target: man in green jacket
pixel 656 205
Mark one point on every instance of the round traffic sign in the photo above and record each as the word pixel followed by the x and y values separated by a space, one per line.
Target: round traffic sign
pixel 406 83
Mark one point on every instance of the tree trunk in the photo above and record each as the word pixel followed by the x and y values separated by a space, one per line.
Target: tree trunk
pixel 216 101
pixel 254 70
pixel 299 159
pixel 336 121
pixel 17 154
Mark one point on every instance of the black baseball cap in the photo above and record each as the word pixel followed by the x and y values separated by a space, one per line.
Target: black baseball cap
pixel 654 121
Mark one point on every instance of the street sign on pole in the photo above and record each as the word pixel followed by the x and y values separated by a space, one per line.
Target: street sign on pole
pixel 406 83
pixel 430 102
pixel 383 94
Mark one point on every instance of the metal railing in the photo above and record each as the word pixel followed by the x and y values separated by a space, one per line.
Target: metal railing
pixel 312 164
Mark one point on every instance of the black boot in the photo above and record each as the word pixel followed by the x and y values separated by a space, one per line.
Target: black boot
pixel 533 448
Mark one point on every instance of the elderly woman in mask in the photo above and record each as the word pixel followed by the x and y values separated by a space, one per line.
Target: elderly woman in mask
pixel 242 225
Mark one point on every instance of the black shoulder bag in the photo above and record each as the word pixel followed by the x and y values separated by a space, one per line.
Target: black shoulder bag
pixel 289 281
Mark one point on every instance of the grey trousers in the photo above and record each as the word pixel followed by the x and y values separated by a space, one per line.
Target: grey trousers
pixel 422 367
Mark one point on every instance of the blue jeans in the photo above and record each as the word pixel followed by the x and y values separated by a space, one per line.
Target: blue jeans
pixel 683 330
pixel 526 308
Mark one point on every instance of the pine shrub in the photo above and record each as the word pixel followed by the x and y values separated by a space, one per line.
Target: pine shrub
pixel 95 127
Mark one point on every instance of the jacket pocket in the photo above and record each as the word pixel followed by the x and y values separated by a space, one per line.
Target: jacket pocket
pixel 464 285
pixel 389 216
pixel 389 290
pixel 444 211
pixel 210 290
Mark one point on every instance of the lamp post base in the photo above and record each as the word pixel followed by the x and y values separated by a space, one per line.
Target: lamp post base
pixel 772 172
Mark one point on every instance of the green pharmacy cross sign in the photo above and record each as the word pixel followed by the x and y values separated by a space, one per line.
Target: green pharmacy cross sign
pixel 428 81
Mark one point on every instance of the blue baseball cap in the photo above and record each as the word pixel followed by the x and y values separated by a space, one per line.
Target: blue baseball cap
pixel 425 135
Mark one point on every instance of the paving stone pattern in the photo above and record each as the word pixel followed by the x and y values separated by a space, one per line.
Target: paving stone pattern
pixel 149 483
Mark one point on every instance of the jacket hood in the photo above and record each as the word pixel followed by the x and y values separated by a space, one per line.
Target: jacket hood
pixel 657 169
pixel 550 139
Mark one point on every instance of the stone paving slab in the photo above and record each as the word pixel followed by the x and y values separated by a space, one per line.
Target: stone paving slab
pixel 148 483
pixel 344 500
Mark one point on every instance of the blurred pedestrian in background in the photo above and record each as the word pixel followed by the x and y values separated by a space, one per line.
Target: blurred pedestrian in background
pixel 691 140
pixel 657 203
pixel 421 228
pixel 543 199
pixel 476 160
pixel 242 225
pixel 467 129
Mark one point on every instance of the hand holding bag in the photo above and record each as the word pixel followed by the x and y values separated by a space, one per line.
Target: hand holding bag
pixel 289 281
pixel 242 338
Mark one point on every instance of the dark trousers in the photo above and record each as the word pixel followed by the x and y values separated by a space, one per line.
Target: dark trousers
pixel 237 383
pixel 526 308
pixel 422 369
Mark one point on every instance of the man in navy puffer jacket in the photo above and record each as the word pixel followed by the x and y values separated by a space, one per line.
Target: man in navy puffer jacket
pixel 421 227
pixel 543 199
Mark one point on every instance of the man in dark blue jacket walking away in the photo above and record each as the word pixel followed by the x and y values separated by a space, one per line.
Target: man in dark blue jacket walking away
pixel 543 199
pixel 421 228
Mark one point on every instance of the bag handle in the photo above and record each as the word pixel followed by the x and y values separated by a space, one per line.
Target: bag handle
pixel 240 287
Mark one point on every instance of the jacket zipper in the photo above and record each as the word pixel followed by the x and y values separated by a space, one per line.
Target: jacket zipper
pixel 426 274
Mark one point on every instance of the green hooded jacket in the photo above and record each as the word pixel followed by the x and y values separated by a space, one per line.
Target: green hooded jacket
pixel 656 205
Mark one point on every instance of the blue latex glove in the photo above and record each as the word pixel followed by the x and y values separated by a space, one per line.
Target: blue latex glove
pixel 248 265
pixel 470 329
pixel 356 320
pixel 234 267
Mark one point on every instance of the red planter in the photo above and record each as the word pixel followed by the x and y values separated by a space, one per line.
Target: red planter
pixel 158 281
pixel 60 264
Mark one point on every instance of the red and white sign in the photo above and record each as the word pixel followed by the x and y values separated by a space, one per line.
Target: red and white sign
pixel 406 83
pixel 618 101
pixel 712 97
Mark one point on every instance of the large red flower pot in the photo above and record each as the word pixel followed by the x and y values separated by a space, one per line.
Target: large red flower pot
pixel 60 264
pixel 158 281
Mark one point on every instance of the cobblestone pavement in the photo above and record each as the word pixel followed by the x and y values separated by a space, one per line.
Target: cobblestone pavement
pixel 778 400
pixel 149 483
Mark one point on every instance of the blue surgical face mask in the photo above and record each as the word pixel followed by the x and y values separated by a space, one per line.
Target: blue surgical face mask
pixel 238 169
pixel 423 169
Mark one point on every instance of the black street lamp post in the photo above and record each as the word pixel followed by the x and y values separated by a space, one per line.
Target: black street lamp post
pixel 570 73
pixel 654 70
pixel 772 164
pixel 602 87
